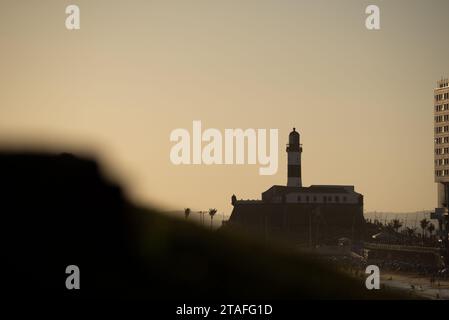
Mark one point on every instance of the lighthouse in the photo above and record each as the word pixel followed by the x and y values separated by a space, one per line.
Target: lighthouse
pixel 294 150
pixel 294 206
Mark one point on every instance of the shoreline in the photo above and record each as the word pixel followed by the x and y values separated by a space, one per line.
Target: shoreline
pixel 416 285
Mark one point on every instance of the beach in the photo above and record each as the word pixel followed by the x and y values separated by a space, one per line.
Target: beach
pixel 416 285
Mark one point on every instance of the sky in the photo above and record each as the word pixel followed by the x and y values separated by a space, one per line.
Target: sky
pixel 136 70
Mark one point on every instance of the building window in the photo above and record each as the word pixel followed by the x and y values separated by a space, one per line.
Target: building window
pixel 299 198
pixel 337 199
pixel 441 173
pixel 344 199
pixel 314 198
pixel 307 199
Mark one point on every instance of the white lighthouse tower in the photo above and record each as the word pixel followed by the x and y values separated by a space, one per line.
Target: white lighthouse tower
pixel 294 150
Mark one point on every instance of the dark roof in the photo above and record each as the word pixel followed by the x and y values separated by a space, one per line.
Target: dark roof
pixel 312 189
pixel 294 132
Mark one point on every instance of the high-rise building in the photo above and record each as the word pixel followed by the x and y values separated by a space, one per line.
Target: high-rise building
pixel 441 143
pixel 441 149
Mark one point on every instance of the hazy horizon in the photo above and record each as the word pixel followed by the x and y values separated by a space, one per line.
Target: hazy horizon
pixel 362 100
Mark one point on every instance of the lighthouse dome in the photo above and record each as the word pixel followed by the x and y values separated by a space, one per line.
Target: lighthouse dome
pixel 293 138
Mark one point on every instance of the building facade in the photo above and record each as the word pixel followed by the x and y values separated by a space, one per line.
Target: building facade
pixel 441 141
pixel 441 161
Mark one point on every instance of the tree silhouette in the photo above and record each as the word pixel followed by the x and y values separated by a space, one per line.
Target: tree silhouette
pixel 186 212
pixel 212 213
pixel 431 229
pixel 202 216
pixel 410 231
pixel 424 223
pixel 396 225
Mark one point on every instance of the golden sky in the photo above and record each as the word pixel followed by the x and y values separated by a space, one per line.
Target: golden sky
pixel 362 100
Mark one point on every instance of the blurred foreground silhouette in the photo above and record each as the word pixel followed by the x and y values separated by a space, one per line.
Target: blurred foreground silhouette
pixel 58 210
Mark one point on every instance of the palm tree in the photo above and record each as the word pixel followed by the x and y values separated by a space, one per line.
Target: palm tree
pixel 212 213
pixel 431 229
pixel 186 212
pixel 424 223
pixel 396 225
pixel 410 231
pixel 202 216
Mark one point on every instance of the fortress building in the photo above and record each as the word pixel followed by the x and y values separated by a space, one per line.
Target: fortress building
pixel 319 214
